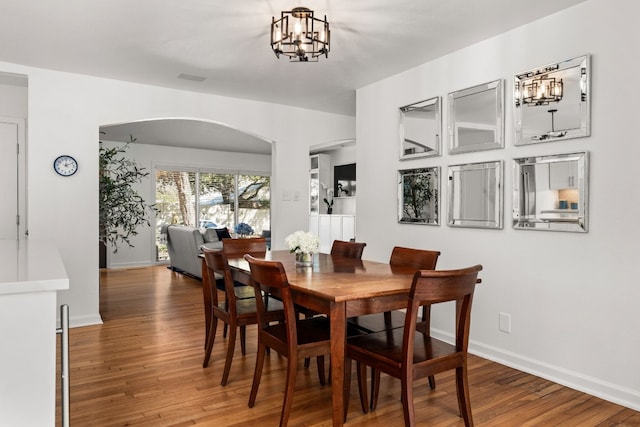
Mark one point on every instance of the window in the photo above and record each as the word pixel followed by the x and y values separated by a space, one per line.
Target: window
pixel 208 200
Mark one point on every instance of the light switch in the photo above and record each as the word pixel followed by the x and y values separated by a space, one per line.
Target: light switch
pixel 286 196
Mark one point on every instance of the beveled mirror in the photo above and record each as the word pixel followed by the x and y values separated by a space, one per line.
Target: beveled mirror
pixel 550 192
pixel 475 195
pixel 420 125
pixel 418 196
pixel 553 103
pixel 476 118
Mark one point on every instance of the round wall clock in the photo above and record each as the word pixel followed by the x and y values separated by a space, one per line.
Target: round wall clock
pixel 65 165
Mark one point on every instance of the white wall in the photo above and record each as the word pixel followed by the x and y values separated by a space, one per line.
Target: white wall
pixel 573 298
pixel 153 156
pixel 65 112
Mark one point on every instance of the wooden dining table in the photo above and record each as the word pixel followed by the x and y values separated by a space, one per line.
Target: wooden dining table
pixel 340 288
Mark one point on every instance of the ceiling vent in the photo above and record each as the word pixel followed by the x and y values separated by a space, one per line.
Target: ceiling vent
pixel 192 77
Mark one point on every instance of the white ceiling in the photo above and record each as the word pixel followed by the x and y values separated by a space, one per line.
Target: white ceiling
pixel 154 41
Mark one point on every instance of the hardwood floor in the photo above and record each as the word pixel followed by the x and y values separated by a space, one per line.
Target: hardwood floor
pixel 143 367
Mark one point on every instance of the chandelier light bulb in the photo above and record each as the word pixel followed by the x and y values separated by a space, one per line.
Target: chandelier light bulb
pixel 542 91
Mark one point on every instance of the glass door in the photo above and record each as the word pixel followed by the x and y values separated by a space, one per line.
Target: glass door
pixel 211 200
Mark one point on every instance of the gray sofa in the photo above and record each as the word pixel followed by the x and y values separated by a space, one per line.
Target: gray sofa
pixel 184 243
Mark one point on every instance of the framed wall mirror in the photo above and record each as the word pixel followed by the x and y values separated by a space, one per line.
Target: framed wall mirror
pixel 420 127
pixel 475 195
pixel 553 102
pixel 550 192
pixel 418 196
pixel 476 118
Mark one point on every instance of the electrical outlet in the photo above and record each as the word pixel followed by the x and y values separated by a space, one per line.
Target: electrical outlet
pixel 504 322
pixel 286 196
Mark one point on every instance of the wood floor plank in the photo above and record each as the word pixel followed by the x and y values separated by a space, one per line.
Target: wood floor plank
pixel 143 367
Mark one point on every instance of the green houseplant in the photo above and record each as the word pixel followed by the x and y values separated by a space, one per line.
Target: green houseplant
pixel 121 208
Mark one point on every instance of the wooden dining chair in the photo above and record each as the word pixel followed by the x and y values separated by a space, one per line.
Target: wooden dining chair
pixel 407 353
pixel 417 259
pixel 234 312
pixel 236 248
pixel 347 249
pixel 295 339
pixel 401 257
pixel 344 249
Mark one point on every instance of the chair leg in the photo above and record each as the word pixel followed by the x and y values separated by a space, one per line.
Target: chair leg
pixel 346 388
pixel 426 320
pixel 432 382
pixel 226 326
pixel 320 362
pixel 257 374
pixel 231 345
pixel 361 372
pixel 243 341
pixel 375 388
pixel 387 320
pixel 208 320
pixel 210 339
pixel 406 385
pixel 292 370
pixel 462 390
pixel 307 360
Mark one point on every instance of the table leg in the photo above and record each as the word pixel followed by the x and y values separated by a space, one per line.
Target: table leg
pixel 206 293
pixel 338 319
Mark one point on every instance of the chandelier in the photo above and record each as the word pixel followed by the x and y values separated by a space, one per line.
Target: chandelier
pixel 300 36
pixel 542 90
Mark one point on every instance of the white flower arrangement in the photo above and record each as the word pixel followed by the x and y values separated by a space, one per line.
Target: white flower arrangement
pixel 302 241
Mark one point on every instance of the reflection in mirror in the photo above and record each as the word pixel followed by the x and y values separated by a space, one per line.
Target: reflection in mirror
pixel 420 126
pixel 475 195
pixel 476 118
pixel 418 193
pixel 550 192
pixel 553 102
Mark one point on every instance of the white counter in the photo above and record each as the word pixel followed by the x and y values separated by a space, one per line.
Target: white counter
pixel 30 266
pixel 31 272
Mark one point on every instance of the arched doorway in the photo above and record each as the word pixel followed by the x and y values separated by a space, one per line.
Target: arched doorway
pixel 188 148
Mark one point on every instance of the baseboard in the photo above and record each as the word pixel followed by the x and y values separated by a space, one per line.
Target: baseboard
pixel 78 321
pixel 184 273
pixel 596 387
pixel 123 265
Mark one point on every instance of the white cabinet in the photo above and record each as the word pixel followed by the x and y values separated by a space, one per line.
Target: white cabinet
pixel 563 175
pixel 325 232
pixel 319 174
pixel 314 225
pixel 332 227
pixel 348 227
pixel 32 274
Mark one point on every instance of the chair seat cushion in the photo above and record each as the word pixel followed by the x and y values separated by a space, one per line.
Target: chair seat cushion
pixel 242 291
pixel 310 330
pixel 248 306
